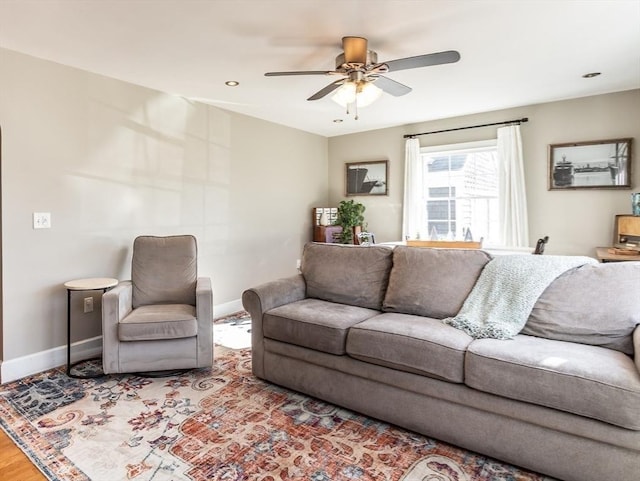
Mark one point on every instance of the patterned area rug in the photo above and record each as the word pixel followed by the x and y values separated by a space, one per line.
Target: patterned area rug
pixel 217 424
pixel 233 331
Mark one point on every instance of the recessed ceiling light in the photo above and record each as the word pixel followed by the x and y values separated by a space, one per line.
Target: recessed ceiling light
pixel 591 75
pixel 232 83
pixel 337 121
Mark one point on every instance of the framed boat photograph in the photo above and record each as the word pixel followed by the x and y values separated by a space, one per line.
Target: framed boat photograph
pixel 598 164
pixel 367 178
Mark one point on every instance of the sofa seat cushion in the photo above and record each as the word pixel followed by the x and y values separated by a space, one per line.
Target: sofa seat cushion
pixel 596 304
pixel 159 321
pixel 347 274
pixel 313 323
pixel 432 282
pixel 412 344
pixel 590 381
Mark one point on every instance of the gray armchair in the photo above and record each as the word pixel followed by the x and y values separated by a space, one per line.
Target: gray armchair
pixel 163 318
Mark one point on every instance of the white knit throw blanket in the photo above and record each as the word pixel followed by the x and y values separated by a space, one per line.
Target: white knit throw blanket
pixel 506 291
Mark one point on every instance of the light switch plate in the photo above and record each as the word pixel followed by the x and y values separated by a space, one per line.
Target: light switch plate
pixel 41 220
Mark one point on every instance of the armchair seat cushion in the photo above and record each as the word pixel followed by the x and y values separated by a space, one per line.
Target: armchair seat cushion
pixel 159 321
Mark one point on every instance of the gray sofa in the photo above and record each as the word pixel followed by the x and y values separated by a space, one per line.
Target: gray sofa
pixel 362 327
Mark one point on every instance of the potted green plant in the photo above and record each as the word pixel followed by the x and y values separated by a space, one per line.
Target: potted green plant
pixel 350 217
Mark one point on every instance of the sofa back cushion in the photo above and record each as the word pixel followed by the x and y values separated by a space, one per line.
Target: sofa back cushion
pixel 596 304
pixel 432 282
pixel 347 274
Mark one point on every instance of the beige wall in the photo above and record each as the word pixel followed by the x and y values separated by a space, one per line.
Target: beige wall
pixel 576 221
pixel 111 160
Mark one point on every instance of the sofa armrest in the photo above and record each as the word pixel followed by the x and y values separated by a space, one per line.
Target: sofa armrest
pixel 204 314
pixel 263 298
pixel 636 346
pixel 116 304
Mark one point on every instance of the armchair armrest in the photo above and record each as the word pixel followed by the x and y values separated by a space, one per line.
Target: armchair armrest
pixel 116 304
pixel 204 314
pixel 263 298
pixel 636 346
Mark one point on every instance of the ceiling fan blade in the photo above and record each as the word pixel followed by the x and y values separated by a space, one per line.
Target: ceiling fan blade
pixel 450 56
pixel 391 86
pixel 355 49
pixel 300 72
pixel 327 90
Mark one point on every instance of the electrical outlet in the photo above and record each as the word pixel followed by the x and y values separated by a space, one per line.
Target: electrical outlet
pixel 41 220
pixel 298 264
pixel 88 304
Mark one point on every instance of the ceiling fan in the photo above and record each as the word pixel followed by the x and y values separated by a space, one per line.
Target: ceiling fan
pixel 361 81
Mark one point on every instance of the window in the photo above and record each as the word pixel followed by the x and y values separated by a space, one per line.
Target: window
pixel 460 192
pixel 441 214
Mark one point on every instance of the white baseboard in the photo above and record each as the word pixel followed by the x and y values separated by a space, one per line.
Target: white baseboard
pixel 41 361
pixel 222 310
pixel 13 369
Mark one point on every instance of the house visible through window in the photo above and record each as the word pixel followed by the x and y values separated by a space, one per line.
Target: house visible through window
pixel 460 197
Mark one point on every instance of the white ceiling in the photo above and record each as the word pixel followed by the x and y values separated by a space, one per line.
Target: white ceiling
pixel 513 52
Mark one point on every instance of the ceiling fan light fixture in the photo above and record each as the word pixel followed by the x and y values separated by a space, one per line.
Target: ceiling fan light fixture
pixel 362 93
pixel 345 94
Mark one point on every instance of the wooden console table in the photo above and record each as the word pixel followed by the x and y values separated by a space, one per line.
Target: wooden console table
pixel 604 255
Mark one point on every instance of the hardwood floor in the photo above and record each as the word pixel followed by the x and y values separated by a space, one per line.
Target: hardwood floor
pixel 14 465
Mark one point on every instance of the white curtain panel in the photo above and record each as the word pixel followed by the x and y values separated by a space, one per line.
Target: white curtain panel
pixel 413 190
pixel 513 199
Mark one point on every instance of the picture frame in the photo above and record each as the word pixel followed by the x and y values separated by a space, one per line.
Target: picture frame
pixel 598 164
pixel 367 178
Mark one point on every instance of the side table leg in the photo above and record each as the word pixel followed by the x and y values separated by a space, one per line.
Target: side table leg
pixel 68 332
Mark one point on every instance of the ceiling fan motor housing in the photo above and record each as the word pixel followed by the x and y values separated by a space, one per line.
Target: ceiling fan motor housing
pixel 355 50
pixel 346 64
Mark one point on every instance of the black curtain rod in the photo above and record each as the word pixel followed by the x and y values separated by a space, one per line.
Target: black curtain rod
pixel 506 122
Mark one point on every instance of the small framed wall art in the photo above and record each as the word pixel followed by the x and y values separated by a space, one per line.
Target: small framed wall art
pixel 599 164
pixel 367 178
